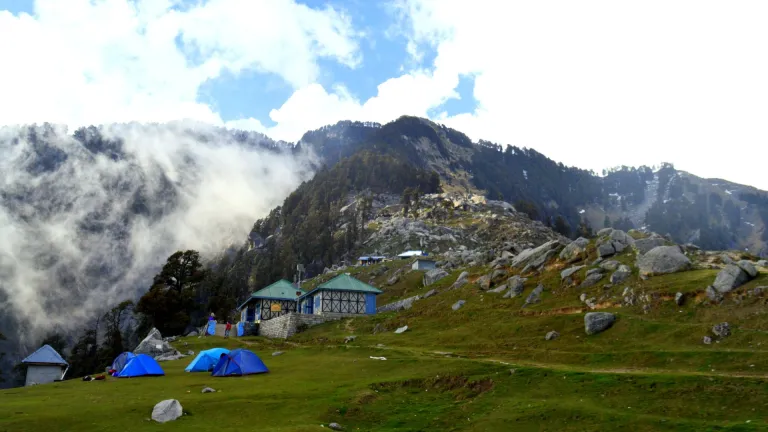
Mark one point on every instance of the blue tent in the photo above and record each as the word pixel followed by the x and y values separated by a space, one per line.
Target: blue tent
pixel 237 363
pixel 141 365
pixel 206 360
pixel 120 361
pixel 211 327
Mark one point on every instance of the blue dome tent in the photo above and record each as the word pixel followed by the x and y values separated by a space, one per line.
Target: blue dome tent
pixel 206 360
pixel 141 365
pixel 239 362
pixel 120 361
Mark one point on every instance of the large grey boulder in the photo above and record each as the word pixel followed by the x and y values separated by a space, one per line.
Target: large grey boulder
pixel 461 280
pixel 552 335
pixel 434 275
pixel 591 280
pixel 484 282
pixel 748 268
pixel 596 322
pixel 713 294
pixel 663 260
pixel 605 249
pixel 646 244
pixel 621 238
pixel 535 296
pixel 565 274
pixel 729 278
pixel 154 346
pixel 762 263
pixel 575 250
pixel 167 410
pixel 537 256
pixel 610 265
pixel 621 274
pixel 516 286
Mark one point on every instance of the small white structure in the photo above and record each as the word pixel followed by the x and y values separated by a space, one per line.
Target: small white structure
pixel 44 366
pixel 411 254
pixel 423 264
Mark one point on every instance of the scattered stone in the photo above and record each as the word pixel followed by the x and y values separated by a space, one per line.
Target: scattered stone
pixel 596 322
pixel 399 305
pixel 349 339
pixel 707 340
pixel 762 263
pixel 726 259
pixel 335 426
pixel 621 274
pixel 679 299
pixel 154 346
pixel 208 390
pixel 461 280
pixel 591 280
pixel 429 293
pixel 484 282
pixel 167 410
pixel 458 305
pixel 721 330
pixel 713 294
pixel 590 272
pixel 552 335
pixel 190 353
pixel 663 260
pixel 277 353
pixel 498 273
pixel 605 249
pixel 499 289
pixel 621 240
pixel 434 275
pixel 565 274
pixel 748 268
pixel 646 244
pixel 516 286
pixel 535 295
pixel 609 265
pixel 536 256
pixel 393 280
pixel 401 330
pixel 583 297
pixel 729 278
pixel 575 250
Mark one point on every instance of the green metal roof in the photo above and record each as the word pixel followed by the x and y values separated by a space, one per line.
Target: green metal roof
pixel 345 282
pixel 281 289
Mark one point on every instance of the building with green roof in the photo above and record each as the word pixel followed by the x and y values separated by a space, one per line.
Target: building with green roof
pixel 271 301
pixel 343 295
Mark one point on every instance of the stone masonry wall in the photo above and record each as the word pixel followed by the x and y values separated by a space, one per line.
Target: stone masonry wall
pixel 285 326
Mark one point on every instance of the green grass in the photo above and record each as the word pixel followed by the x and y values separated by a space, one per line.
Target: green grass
pixel 450 370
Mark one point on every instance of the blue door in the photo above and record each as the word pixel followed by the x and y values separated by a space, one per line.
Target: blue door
pixel 308 306
pixel 370 303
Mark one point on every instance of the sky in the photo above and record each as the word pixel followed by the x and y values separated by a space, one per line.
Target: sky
pixel 593 84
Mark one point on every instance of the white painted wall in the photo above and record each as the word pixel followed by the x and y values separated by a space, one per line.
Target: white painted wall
pixel 42 374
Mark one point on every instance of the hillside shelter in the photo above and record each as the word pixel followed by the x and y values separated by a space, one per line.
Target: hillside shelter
pixel 411 254
pixel 139 366
pixel 270 302
pixel 368 260
pixel 118 364
pixel 44 366
pixel 423 264
pixel 206 360
pixel 239 362
pixel 343 295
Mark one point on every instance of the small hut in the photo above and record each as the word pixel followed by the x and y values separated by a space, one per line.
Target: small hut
pixel 423 264
pixel 340 295
pixel 44 366
pixel 270 302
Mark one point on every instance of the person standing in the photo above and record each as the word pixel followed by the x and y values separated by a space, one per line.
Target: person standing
pixel 227 329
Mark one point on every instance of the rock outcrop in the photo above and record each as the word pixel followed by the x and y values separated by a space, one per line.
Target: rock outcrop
pixel 597 322
pixel 575 250
pixel 154 346
pixel 734 276
pixel 536 257
pixel 643 246
pixel 621 274
pixel 434 275
pixel 167 410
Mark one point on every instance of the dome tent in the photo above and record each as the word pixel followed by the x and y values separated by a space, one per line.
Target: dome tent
pixel 206 360
pixel 141 365
pixel 239 362
pixel 118 364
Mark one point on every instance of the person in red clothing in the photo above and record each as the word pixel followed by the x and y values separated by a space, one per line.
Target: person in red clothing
pixel 227 329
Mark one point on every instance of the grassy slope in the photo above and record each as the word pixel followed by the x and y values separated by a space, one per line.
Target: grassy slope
pixel 450 371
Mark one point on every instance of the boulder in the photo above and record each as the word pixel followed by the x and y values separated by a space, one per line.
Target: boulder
pixel 762 263
pixel 484 282
pixel 401 330
pixel 552 335
pixel 393 280
pixel 605 249
pixel 458 305
pixel 596 322
pixel 434 275
pixel 621 238
pixel 536 256
pixel 609 265
pixel 591 280
pixel 604 232
pixel 565 274
pixel 516 286
pixel 679 299
pixel 726 259
pixel 663 260
pixel 590 272
pixel 461 280
pixel 349 339
pixel 167 410
pixel 621 274
pixel 713 294
pixel 706 340
pixel 399 305
pixel 729 278
pixel 208 390
pixel 535 295
pixel 335 426
pixel 575 250
pixel 499 289
pixel 154 346
pixel 748 268
pixel 429 293
pixel 644 245
pixel 721 330
pixel 497 274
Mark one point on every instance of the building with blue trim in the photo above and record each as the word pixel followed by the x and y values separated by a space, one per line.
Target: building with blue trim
pixel 271 301
pixel 340 295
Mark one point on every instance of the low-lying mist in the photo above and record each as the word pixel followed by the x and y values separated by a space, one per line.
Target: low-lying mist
pixel 87 219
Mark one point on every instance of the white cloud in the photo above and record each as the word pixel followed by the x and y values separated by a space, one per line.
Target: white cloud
pixel 89 62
